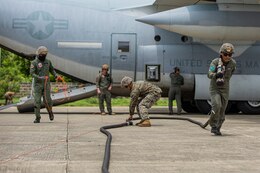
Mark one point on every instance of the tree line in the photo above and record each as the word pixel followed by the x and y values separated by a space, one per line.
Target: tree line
pixel 15 70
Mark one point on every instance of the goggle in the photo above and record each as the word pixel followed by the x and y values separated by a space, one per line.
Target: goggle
pixel 227 54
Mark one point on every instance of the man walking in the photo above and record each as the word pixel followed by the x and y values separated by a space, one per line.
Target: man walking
pixel 220 72
pixel 39 70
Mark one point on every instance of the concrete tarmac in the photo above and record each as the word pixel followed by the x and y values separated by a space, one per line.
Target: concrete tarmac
pixel 72 143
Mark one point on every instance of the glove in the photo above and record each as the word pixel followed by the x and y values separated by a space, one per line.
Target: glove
pixel 59 78
pixel 44 77
pixel 219 75
pixel 130 118
pixel 212 75
pixel 98 91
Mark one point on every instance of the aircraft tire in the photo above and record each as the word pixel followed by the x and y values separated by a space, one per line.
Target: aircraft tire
pixel 232 108
pixel 203 106
pixel 247 107
pixel 189 106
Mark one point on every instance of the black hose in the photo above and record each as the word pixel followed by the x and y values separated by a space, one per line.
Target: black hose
pixel 106 159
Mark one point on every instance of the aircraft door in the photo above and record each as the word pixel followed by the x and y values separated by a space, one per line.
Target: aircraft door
pixel 123 56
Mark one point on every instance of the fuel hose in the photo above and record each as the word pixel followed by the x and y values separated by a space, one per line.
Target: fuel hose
pixel 106 160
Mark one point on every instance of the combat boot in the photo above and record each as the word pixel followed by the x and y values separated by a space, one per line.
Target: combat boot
pixel 144 123
pixel 37 114
pixel 37 120
pixel 216 131
pixel 111 113
pixel 51 116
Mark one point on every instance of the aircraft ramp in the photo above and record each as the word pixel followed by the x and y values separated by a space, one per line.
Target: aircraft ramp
pixel 26 104
pixel 6 106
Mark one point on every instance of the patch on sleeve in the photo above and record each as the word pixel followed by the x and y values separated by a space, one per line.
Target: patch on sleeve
pixel 212 68
pixel 40 65
pixel 32 66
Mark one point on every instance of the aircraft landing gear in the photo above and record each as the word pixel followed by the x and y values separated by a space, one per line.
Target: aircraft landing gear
pixel 249 107
pixel 189 106
pixel 204 106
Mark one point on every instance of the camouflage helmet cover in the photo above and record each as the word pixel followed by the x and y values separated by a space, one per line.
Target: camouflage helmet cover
pixel 126 81
pixel 41 50
pixel 227 48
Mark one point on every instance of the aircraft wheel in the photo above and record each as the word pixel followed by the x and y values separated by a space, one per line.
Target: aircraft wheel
pixel 249 107
pixel 189 106
pixel 232 108
pixel 204 106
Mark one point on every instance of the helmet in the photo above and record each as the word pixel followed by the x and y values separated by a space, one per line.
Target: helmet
pixel 126 81
pixel 227 48
pixel 105 66
pixel 42 50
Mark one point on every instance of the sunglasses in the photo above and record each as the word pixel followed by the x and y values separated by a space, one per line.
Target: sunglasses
pixel 227 54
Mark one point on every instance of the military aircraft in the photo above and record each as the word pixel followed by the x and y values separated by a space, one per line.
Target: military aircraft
pixel 143 39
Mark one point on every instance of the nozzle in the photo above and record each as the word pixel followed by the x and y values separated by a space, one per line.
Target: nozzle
pixel 129 123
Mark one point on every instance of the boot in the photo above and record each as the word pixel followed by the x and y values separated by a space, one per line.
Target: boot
pixel 216 131
pixel 111 113
pixel 37 114
pixel 51 116
pixel 144 123
pixel 37 120
pixel 139 122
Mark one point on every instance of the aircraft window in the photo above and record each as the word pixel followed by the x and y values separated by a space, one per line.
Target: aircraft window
pixel 184 39
pixel 157 38
pixel 152 72
pixel 123 46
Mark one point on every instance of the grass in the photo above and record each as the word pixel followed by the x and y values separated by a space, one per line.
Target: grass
pixel 93 101
pixel 118 101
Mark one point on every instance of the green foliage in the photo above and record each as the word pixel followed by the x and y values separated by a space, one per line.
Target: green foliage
pixel 93 102
pixel 118 101
pixel 13 71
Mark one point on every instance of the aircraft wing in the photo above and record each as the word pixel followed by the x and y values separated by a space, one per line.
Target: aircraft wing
pixel 181 3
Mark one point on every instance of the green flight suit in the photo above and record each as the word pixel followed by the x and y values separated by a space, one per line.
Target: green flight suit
pixel 143 96
pixel 41 87
pixel 219 95
pixel 103 83
pixel 177 81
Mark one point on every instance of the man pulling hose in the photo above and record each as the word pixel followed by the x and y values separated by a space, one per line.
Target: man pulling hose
pixel 39 70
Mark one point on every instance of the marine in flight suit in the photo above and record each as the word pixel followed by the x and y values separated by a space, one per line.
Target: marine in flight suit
pixel 220 72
